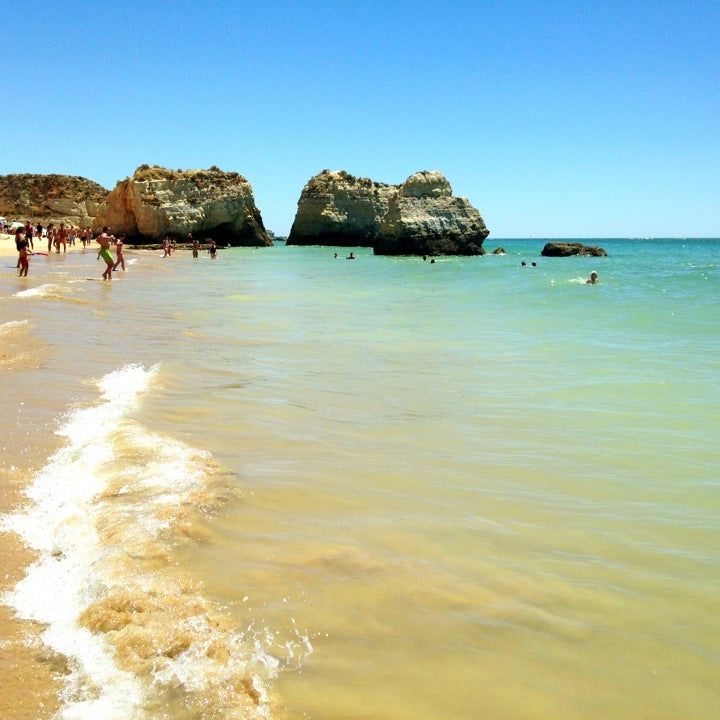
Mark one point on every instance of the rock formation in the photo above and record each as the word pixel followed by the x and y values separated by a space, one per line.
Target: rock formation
pixel 156 202
pixel 336 208
pixel 564 249
pixel 68 199
pixel 419 217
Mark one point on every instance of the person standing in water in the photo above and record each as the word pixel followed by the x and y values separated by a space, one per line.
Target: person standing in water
pixel 23 253
pixel 213 250
pixel 61 237
pixel 104 241
pixel 50 233
pixel 119 253
pixel 195 248
pixel 20 242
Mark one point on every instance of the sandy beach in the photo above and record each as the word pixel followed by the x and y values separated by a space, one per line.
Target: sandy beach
pixel 7 245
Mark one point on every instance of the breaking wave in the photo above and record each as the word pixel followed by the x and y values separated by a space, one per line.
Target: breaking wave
pixel 104 516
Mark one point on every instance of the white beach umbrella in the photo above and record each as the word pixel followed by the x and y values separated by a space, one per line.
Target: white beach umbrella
pixel 15 225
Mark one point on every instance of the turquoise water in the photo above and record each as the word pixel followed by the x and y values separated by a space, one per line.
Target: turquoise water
pixel 475 489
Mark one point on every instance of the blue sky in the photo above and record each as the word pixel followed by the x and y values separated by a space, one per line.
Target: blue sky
pixel 556 119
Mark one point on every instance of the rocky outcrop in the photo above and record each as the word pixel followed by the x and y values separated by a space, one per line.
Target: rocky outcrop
pixel 68 199
pixel 336 208
pixel 419 217
pixel 565 249
pixel 211 203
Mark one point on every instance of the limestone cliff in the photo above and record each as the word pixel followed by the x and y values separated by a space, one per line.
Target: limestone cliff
pixel 419 217
pixel 156 202
pixel 68 199
pixel 425 218
pixel 336 208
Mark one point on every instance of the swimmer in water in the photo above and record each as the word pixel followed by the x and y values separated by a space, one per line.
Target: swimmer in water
pixel 593 279
pixel 351 256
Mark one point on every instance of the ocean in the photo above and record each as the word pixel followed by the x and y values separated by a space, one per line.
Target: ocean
pixel 282 485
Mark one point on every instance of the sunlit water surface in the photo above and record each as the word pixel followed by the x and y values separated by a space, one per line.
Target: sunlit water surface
pixel 466 489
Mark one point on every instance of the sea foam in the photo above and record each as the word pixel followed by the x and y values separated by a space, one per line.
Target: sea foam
pixel 59 524
pixel 105 513
pixel 12 325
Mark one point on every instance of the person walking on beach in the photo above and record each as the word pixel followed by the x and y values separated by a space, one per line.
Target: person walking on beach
pixel 29 232
pixel 50 232
pixel 119 253
pixel 104 241
pixel 166 246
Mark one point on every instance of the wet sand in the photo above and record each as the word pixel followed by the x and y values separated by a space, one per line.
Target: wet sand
pixel 30 676
pixel 30 684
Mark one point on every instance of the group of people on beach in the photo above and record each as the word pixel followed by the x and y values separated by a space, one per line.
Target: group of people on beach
pixel 64 236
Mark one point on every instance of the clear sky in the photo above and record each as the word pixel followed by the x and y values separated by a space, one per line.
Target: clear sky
pixel 556 119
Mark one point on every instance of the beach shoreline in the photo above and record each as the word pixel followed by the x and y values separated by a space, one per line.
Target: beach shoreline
pixel 31 675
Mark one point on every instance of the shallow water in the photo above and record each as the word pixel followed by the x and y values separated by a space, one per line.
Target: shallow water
pixel 378 489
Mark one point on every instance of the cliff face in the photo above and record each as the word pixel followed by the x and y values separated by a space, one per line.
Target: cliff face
pixel 419 217
pixel 156 202
pixel 336 208
pixel 425 218
pixel 68 199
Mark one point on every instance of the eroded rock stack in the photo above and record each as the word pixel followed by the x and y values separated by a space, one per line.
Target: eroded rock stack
pixel 336 208
pixel 68 199
pixel 156 202
pixel 419 217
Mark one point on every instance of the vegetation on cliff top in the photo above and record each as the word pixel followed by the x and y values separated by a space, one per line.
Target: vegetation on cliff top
pixel 27 197
pixel 213 173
